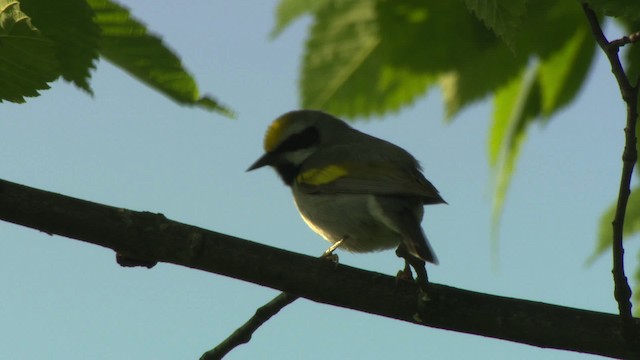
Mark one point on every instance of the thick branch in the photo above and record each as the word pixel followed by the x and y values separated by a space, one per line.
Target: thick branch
pixel 629 92
pixel 152 237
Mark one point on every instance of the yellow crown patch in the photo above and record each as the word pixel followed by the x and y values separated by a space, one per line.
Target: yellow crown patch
pixel 321 176
pixel 274 132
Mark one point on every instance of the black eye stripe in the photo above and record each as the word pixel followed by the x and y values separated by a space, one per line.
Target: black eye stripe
pixel 302 140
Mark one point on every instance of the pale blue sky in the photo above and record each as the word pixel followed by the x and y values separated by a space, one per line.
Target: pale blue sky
pixel 131 147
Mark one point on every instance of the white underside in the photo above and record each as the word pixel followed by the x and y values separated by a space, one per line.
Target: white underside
pixel 358 219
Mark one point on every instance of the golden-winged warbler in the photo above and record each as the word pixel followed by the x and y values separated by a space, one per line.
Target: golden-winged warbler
pixel 350 186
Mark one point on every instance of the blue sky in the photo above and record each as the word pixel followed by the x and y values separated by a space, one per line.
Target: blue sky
pixel 131 147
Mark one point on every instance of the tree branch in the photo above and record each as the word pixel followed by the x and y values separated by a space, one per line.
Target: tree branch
pixel 152 237
pixel 622 291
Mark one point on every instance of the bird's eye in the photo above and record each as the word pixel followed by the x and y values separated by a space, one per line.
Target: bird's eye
pixel 302 140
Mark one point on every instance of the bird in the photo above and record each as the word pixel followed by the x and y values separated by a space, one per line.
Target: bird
pixel 360 193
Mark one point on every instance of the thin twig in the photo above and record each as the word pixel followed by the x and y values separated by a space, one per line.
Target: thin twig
pixel 629 94
pixel 243 334
pixel 627 39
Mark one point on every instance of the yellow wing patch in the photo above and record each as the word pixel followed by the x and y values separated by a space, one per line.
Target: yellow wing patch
pixel 274 132
pixel 321 176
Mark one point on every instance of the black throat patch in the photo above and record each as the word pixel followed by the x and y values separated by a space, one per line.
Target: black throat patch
pixel 287 172
pixel 305 139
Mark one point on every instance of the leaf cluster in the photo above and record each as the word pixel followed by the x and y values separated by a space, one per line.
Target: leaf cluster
pixel 42 40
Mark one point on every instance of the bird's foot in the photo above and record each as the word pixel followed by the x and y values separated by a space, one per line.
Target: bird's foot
pixel 405 274
pixel 329 255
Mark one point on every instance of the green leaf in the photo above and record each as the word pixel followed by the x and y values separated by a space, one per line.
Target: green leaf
pixel 544 32
pixel 404 26
pixel 27 59
pixel 557 35
pixel 605 230
pixel 69 24
pixel 501 16
pixel 430 36
pixel 473 80
pixel 290 10
pixel 563 72
pixel 126 43
pixel 344 70
pixel 549 24
pixel 629 9
pixel 365 57
pixel 516 105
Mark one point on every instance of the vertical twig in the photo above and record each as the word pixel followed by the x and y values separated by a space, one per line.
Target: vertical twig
pixel 629 94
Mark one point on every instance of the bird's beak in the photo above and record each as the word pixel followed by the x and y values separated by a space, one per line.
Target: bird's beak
pixel 266 159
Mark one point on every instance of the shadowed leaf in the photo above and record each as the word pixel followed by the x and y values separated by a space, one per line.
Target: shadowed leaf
pixel 362 57
pixel 344 70
pixel 69 25
pixel 501 16
pixel 488 71
pixel 629 9
pixel 27 59
pixel 543 33
pixel 430 36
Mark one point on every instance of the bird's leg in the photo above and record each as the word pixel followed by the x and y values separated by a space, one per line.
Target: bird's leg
pixel 329 255
pixel 333 247
pixel 421 275
pixel 418 265
pixel 405 274
pixel 422 280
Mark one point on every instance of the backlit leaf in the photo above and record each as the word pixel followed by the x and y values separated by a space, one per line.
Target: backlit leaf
pixel 126 43
pixel 516 105
pixel 563 72
pixel 289 11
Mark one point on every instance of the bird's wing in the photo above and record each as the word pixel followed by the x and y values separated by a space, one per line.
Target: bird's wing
pixel 391 172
